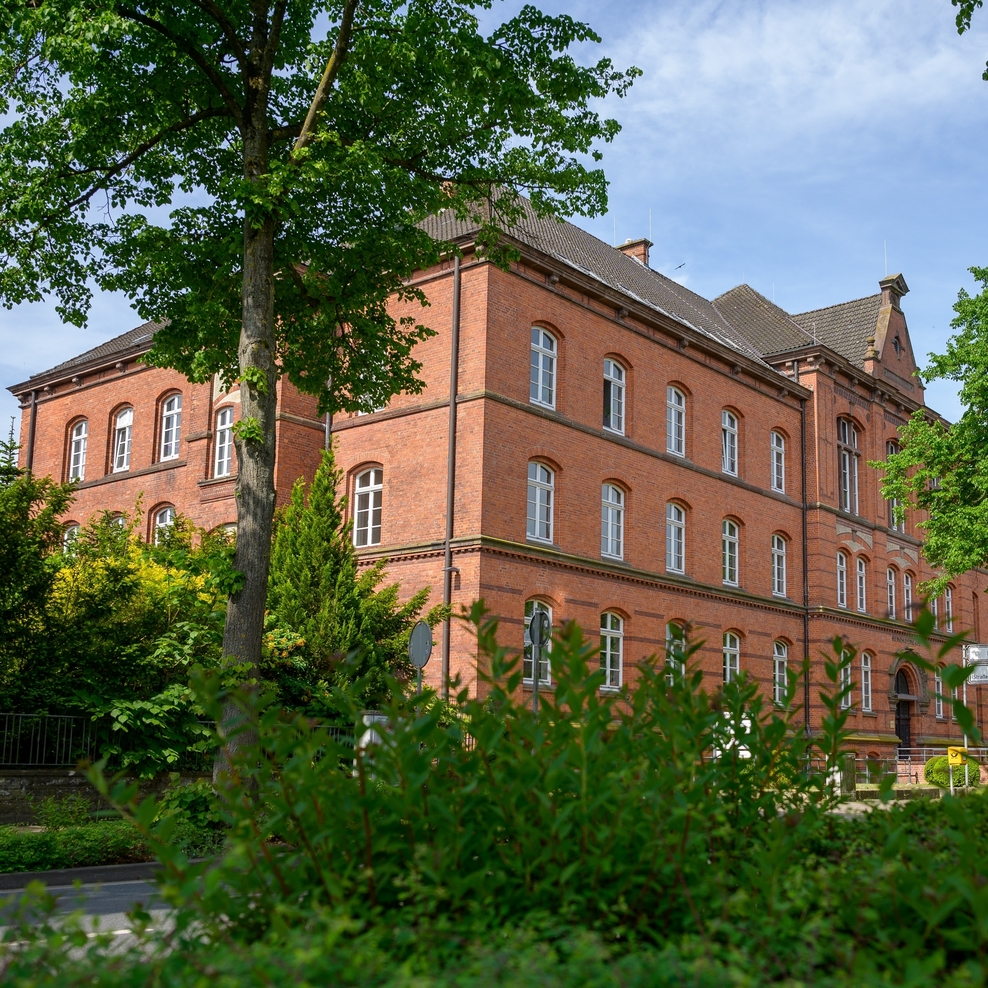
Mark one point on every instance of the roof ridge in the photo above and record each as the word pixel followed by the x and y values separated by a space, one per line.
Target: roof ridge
pixel 837 305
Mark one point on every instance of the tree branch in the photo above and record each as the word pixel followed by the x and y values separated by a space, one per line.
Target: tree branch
pixel 274 38
pixel 213 9
pixel 236 111
pixel 284 133
pixel 328 78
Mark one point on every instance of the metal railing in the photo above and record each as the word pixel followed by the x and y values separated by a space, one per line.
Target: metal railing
pixel 49 740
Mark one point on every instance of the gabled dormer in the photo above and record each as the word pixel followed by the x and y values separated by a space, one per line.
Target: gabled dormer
pixel 889 356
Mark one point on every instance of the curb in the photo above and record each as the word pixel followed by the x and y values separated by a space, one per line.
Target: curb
pixel 138 870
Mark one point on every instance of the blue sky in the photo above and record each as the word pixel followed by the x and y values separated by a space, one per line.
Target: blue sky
pixel 777 142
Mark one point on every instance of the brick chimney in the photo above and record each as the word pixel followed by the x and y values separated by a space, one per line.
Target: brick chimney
pixel 638 249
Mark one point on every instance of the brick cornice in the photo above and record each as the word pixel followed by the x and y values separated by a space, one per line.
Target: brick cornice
pixel 111 478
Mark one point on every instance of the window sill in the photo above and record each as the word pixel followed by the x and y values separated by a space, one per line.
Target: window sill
pixel 541 404
pixel 869 713
pixel 210 481
pixel 529 688
pixel 613 432
pixel 126 474
pixel 531 540
pixel 610 689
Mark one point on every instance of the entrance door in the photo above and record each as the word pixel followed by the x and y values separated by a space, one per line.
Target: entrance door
pixel 903 711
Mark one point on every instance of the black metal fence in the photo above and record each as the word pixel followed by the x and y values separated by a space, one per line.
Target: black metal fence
pixel 49 740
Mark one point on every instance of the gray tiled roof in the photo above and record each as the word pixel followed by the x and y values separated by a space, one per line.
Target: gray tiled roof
pixel 767 327
pixel 584 252
pixel 845 327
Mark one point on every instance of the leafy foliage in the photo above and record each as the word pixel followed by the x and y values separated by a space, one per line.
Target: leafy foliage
pixel 75 846
pixel 56 813
pixel 937 773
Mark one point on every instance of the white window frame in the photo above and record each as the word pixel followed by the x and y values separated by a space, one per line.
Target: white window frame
pixel 778 566
pixel 907 597
pixel 847 700
pixel 890 592
pixel 614 392
pixel 861 585
pixel 545 667
pixel 728 443
pixel 612 521
pixel 891 448
pixel 223 447
pixel 542 368
pixel 948 609
pixel 675 421
pixel 732 656
pixel 78 445
pixel 122 438
pixel 847 464
pixel 368 503
pixel 674 635
pixel 171 427
pixel 163 518
pixel 842 579
pixel 778 444
pixel 675 538
pixel 541 495
pixel 612 650
pixel 866 681
pixel 780 672
pixel 729 540
pixel 935 611
pixel 69 534
pixel 938 695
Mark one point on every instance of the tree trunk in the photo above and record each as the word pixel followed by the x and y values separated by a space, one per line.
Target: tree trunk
pixel 255 459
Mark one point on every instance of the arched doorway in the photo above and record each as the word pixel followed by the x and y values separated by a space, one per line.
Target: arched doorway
pixel 903 710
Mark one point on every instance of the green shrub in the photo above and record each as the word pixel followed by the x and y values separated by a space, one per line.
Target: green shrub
pixel 58 812
pixel 937 773
pixel 107 842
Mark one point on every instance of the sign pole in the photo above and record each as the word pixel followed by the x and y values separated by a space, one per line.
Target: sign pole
pixel 420 648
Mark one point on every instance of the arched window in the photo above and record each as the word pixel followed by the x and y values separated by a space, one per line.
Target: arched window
pixel 896 524
pixel 907 597
pixel 223 458
pixel 780 672
pixel 675 538
pixel 122 432
pixel 938 694
pixel 862 585
pixel 866 681
pixel 728 442
pixel 171 427
pixel 778 566
pixel 611 650
pixel 845 682
pixel 729 552
pixel 778 462
pixel 369 489
pixel 948 609
pixel 69 534
pixel 847 465
pixel 732 656
pixel 675 421
pixel 614 396
pixel 612 521
pixel 541 484
pixel 841 579
pixel 542 387
pixel 78 441
pixel 545 678
pixel 675 645
pixel 890 590
pixel 164 518
pixel 935 611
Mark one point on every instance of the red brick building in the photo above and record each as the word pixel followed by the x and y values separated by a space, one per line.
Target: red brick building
pixel 626 453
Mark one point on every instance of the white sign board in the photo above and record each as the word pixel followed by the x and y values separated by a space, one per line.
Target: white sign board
pixel 980 675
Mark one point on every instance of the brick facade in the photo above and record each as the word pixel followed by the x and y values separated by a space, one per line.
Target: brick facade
pixel 766 368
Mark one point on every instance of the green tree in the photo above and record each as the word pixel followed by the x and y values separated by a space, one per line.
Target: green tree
pixel 332 625
pixel 942 469
pixel 965 11
pixel 295 204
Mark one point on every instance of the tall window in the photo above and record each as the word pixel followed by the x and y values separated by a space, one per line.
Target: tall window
pixel 729 552
pixel 890 588
pixel 778 566
pixel 121 440
pixel 78 442
pixel 865 681
pixel 778 462
pixel 171 427
pixel 907 597
pixel 675 538
pixel 542 388
pixel 613 396
pixel 845 684
pixel 163 520
pixel 728 443
pixel 780 666
pixel 847 466
pixel 612 521
pixel 675 645
pixel 541 482
pixel 841 580
pixel 224 443
pixel 675 421
pixel 893 503
pixel 862 585
pixel 531 607
pixel 369 490
pixel 611 650
pixel 69 534
pixel 938 698
pixel 935 611
pixel 732 656
pixel 948 609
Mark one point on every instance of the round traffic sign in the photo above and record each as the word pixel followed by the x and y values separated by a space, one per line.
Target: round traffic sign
pixel 420 645
pixel 539 630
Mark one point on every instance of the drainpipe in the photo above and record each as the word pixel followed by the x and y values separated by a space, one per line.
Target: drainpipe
pixel 806 562
pixel 32 429
pixel 448 568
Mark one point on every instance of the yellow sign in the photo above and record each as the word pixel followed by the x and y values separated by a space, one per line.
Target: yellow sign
pixel 956 756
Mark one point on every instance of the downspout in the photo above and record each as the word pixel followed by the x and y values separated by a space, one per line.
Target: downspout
pixel 32 429
pixel 806 562
pixel 448 569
